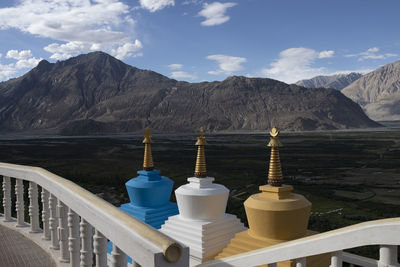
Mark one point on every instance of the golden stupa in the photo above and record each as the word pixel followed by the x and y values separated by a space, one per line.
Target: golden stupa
pixel 275 215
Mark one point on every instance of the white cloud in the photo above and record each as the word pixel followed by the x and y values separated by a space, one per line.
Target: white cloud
pixel 24 60
pixel 296 64
pixel 23 54
pixel 64 51
pixel 326 54
pixel 27 63
pixel 193 2
pixel 214 13
pixel 227 64
pixel 182 75
pixel 155 5
pixel 127 50
pixel 7 71
pixel 371 53
pixel 80 26
pixel 175 66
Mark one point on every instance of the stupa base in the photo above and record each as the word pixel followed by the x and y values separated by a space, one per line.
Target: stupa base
pixel 152 216
pixel 205 238
pixel 243 242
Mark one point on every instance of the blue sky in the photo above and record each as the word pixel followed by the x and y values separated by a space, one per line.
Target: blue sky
pixel 198 40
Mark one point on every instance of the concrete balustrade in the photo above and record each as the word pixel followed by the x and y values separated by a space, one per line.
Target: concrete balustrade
pixel 86 243
pixel 33 207
pixel 7 198
pixel 73 238
pixel 19 202
pixel 302 262
pixel 336 259
pixel 53 222
pixel 45 214
pixel 118 258
pixel 77 226
pixel 100 249
pixel 386 231
pixel 63 231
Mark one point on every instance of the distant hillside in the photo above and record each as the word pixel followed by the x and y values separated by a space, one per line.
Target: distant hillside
pixel 96 93
pixel 338 81
pixel 378 92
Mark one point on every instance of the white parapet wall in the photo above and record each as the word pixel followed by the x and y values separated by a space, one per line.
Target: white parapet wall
pixel 92 221
pixel 72 215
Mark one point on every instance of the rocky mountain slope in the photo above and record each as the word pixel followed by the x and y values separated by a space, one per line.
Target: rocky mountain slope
pixel 338 81
pixel 96 93
pixel 378 92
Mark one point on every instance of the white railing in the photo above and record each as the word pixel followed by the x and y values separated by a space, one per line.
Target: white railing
pixel 385 233
pixel 77 224
pixel 70 215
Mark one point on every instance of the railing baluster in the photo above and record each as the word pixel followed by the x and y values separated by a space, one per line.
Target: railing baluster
pixel 86 249
pixel 388 255
pixel 100 249
pixel 45 214
pixel 33 207
pixel 118 257
pixel 53 223
pixel 336 259
pixel 74 242
pixel 301 262
pixel 19 202
pixel 7 198
pixel 63 231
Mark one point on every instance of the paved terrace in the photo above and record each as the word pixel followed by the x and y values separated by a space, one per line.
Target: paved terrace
pixel 18 251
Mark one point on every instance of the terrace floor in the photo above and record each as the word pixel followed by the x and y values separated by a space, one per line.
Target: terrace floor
pixel 18 251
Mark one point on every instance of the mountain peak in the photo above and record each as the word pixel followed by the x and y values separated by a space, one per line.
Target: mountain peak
pixel 337 81
pixel 378 92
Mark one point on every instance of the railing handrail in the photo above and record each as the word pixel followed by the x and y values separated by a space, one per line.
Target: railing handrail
pixel 378 232
pixel 130 234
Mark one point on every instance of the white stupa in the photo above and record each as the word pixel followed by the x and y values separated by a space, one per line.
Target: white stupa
pixel 202 223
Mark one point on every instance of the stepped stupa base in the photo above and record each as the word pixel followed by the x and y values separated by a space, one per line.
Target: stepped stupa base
pixel 205 238
pixel 152 216
pixel 243 242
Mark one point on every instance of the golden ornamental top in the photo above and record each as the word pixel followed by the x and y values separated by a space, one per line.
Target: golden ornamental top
pixel 201 140
pixel 148 164
pixel 275 171
pixel 200 169
pixel 274 140
pixel 147 136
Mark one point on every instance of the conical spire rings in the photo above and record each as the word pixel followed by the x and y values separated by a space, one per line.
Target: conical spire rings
pixel 148 164
pixel 200 169
pixel 275 171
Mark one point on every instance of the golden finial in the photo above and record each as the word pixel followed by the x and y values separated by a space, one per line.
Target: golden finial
pixel 200 170
pixel 275 170
pixel 148 158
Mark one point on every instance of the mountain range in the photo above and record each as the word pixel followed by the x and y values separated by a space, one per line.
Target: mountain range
pixel 338 81
pixel 95 94
pixel 378 92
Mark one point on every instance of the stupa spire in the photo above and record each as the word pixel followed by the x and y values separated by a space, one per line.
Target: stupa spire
pixel 200 169
pixel 275 170
pixel 148 158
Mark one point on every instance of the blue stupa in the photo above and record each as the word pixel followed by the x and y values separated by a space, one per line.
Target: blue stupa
pixel 149 193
